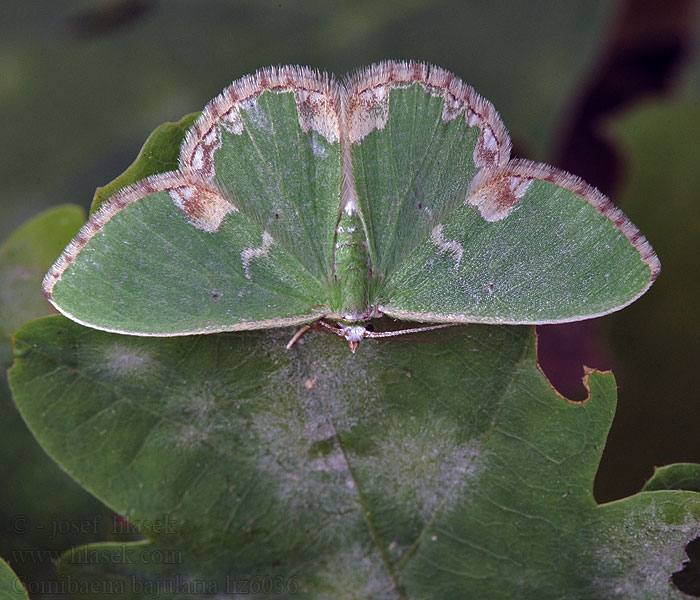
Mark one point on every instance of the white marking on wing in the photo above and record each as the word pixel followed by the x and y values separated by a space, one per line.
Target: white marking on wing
pixel 316 146
pixel 257 115
pixel 253 253
pixel 349 202
pixel 232 121
pixel 318 112
pixel 452 107
pixel 450 246
pixel 371 112
pixel 198 159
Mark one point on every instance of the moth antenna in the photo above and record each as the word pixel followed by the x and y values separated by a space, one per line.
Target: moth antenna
pixel 382 334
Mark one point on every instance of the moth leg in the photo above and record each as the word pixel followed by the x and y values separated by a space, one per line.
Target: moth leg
pixel 320 324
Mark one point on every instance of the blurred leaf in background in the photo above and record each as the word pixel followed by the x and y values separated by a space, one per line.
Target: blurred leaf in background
pixel 82 83
pixel 42 510
pixel 657 344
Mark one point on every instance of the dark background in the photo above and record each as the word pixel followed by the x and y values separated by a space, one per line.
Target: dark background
pixel 609 90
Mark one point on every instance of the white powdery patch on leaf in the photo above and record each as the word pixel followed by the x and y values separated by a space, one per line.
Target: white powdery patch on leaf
pixel 354 572
pixel 421 466
pixel 198 413
pixel 123 359
pixel 302 459
pixel 642 553
pixel 300 430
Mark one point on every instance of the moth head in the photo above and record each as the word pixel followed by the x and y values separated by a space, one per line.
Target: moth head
pixel 354 334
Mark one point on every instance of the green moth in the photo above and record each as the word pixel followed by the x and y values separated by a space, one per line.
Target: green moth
pixel 300 199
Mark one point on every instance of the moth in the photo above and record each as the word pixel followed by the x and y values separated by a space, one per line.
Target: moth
pixel 301 199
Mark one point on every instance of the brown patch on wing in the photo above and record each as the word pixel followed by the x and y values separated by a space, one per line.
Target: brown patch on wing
pixel 367 110
pixel 203 205
pixel 496 198
pixel 202 159
pixel 487 152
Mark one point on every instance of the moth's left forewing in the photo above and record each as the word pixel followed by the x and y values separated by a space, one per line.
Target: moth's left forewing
pixel 530 244
pixel 170 255
pixel 271 141
pixel 240 237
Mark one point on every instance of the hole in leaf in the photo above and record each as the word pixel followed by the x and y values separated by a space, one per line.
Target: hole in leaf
pixel 563 350
pixel 687 580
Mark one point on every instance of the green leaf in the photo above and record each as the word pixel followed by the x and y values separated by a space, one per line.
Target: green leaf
pixel 159 154
pixel 441 466
pixel 37 526
pixel 24 258
pixel 679 476
pixel 11 587
pixel 298 197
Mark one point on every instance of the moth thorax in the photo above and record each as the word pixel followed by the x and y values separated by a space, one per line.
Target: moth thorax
pixel 351 264
pixel 354 333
